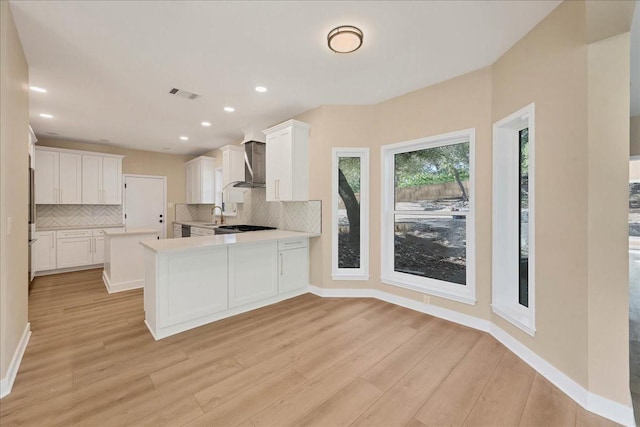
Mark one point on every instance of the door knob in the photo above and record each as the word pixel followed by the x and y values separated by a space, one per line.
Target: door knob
pixel 160 221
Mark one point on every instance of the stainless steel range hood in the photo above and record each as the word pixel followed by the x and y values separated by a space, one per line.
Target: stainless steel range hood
pixel 254 165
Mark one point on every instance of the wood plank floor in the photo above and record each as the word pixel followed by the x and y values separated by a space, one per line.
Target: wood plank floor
pixel 307 361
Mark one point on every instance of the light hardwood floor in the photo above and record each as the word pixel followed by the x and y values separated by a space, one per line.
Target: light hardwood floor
pixel 306 361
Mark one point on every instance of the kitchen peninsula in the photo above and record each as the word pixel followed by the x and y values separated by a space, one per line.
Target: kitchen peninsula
pixel 195 281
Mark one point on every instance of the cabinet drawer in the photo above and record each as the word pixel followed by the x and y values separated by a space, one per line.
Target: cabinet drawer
pixel 74 233
pixel 293 243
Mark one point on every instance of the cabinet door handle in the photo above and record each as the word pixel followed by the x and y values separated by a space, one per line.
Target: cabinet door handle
pixel 52 242
pixel 281 265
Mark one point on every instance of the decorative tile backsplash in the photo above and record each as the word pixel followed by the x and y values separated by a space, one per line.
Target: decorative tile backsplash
pixel 295 216
pixel 61 215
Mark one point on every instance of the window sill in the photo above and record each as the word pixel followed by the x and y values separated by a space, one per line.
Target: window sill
pixel 350 277
pixel 516 316
pixel 428 290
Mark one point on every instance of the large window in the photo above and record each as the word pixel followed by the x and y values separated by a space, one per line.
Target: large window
pixel 513 219
pixel 427 219
pixel 634 201
pixel 350 222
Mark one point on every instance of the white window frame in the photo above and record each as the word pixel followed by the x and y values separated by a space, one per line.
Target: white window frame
pixel 634 241
pixel 506 220
pixel 453 291
pixel 361 273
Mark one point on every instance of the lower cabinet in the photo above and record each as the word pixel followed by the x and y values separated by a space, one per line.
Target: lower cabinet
pixel 74 252
pixel 253 274
pixel 98 250
pixel 44 251
pixel 293 269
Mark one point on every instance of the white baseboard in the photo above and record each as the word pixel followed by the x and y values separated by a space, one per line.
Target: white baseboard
pixel 68 270
pixel 122 286
pixel 597 404
pixel 6 383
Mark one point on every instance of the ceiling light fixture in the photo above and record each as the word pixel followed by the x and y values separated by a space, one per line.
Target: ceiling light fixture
pixel 261 89
pixel 184 138
pixel 205 124
pixel 37 89
pixel 46 116
pixel 229 109
pixel 345 39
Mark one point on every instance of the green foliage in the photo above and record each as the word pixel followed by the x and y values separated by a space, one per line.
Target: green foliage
pixel 437 165
pixel 350 167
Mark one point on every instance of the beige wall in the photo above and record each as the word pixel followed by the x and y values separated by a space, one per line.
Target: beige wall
pixel 141 163
pixel 14 188
pixel 608 231
pixel 549 67
pixel 635 136
pixel 577 320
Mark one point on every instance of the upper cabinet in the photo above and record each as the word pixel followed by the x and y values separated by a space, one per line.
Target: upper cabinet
pixel 58 177
pixel 287 162
pixel 200 173
pixel 101 180
pixel 68 177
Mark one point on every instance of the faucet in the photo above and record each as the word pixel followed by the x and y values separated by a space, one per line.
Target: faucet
pixel 213 213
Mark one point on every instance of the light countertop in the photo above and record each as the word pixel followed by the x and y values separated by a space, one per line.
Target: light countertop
pixel 130 231
pixel 79 227
pixel 200 242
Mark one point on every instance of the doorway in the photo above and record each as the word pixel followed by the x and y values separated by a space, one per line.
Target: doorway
pixel 145 202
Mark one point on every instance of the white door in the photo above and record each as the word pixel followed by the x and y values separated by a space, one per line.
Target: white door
pixel 111 181
pixel 46 177
pixel 91 180
pixel 70 179
pixel 74 252
pixel 144 202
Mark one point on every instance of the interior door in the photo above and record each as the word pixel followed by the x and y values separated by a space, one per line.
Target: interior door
pixel 144 201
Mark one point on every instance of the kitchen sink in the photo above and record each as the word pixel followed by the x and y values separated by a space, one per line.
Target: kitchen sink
pixel 231 229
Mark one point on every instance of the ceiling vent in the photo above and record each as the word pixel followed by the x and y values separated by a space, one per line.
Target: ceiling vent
pixel 183 93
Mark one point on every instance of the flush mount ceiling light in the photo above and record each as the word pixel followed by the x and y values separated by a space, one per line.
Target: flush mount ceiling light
pixel 229 109
pixel 261 89
pixel 205 124
pixel 46 116
pixel 38 89
pixel 345 39
pixel 184 138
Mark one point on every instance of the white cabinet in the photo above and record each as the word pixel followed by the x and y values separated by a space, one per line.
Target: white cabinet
pixel 72 177
pixel 74 251
pixel 58 177
pixel 232 171
pixel 44 251
pixel 200 174
pixel 47 165
pixel 287 162
pixel 253 274
pixel 293 265
pixel 101 180
pixel 177 231
pixel 98 250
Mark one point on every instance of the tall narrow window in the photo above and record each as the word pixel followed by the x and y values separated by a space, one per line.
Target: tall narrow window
pixel 523 200
pixel 513 219
pixel 428 216
pixel 350 228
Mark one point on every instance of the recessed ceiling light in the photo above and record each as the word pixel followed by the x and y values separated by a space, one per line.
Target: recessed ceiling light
pixel 37 89
pixel 261 89
pixel 205 124
pixel 229 109
pixel 184 138
pixel 345 39
pixel 46 116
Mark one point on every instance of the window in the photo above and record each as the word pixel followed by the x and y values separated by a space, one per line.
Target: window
pixel 513 219
pixel 350 222
pixel 428 215
pixel 634 201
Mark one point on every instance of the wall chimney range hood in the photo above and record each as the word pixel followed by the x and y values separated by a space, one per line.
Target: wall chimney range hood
pixel 254 165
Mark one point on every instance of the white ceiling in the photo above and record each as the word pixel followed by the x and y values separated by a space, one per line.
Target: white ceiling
pixel 108 65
